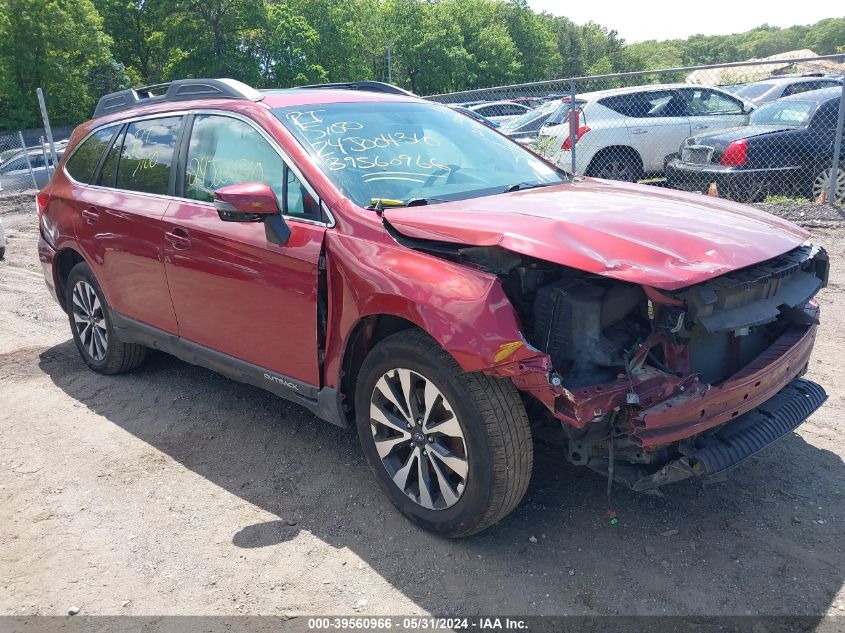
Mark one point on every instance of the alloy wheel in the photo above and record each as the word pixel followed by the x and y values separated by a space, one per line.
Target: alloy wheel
pixel 822 183
pixel 419 439
pixel 90 321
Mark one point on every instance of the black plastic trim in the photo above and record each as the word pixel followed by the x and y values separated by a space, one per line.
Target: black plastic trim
pixel 322 402
pixel 177 90
pixel 757 429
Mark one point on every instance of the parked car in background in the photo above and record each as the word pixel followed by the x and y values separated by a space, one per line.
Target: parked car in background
pixel 6 154
pixel 475 115
pixel 500 111
pixel 627 133
pixel 15 172
pixel 391 265
pixel 531 102
pixel 526 128
pixel 786 149
pixel 760 92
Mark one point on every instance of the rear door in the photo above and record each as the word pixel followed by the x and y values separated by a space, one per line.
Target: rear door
pixel 235 291
pixel 657 124
pixel 710 110
pixel 119 220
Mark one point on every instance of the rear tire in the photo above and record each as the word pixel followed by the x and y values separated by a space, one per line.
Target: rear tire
pixel 821 182
pixel 473 424
pixel 616 164
pixel 90 323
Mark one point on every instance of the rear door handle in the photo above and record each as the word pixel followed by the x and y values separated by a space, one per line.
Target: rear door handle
pixel 639 130
pixel 178 238
pixel 700 127
pixel 91 215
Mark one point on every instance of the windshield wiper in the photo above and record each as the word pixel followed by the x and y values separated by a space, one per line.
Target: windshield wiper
pixel 380 204
pixel 419 202
pixel 519 186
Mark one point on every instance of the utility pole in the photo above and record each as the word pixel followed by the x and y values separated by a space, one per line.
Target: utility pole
pixel 389 63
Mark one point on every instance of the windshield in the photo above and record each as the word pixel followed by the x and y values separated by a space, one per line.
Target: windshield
pixel 539 112
pixel 791 113
pixel 753 91
pixel 399 151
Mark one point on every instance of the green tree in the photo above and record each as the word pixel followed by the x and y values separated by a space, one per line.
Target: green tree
pixel 55 45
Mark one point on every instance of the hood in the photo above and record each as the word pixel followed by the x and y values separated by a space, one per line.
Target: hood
pixel 636 233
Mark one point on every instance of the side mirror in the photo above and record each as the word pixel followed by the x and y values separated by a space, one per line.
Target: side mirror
pixel 253 202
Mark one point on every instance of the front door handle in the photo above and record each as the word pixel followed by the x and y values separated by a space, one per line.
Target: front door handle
pixel 178 238
pixel 91 215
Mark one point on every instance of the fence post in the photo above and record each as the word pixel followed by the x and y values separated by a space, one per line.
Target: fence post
pixel 837 146
pixel 28 163
pixel 46 158
pixel 47 129
pixel 573 123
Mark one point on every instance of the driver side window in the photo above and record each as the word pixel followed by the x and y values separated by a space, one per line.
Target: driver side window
pixel 225 151
pixel 708 102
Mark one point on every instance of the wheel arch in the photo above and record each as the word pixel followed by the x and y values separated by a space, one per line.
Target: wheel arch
pixel 367 332
pixel 66 258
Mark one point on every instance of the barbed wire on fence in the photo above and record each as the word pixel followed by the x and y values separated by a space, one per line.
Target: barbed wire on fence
pixel 746 131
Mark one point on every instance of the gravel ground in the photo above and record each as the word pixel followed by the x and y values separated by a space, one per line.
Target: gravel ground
pixel 172 490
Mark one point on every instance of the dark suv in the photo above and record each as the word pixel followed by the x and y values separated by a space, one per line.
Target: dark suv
pixel 391 264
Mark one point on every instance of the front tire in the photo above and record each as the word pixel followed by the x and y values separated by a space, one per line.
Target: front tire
pixel 90 323
pixel 451 450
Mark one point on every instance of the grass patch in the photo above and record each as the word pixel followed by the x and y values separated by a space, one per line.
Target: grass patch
pixel 777 199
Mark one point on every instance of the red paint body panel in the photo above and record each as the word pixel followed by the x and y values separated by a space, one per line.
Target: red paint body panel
pixel 237 293
pixel 637 233
pixel 121 236
pixel 464 310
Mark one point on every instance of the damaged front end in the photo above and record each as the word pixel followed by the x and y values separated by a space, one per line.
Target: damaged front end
pixel 656 386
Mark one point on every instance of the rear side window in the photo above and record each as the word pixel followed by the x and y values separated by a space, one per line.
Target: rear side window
pixel 147 155
pixel 81 165
pixel 108 172
pixel 638 105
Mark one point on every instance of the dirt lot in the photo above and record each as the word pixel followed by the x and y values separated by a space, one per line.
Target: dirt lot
pixel 172 490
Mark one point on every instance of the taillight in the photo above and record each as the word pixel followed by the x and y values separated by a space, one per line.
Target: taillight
pixel 735 154
pixel 42 199
pixel 567 142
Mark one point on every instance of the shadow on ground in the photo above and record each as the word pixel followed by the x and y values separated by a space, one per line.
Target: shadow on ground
pixel 760 543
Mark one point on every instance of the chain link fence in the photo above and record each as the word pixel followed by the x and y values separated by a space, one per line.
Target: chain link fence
pixel 748 131
pixel 25 167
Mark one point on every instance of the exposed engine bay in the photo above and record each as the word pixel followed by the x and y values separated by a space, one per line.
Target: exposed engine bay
pixel 650 378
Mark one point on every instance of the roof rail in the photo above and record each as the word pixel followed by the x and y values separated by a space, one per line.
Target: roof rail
pixel 369 86
pixel 177 90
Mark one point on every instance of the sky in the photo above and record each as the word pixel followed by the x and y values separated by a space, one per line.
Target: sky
pixel 673 19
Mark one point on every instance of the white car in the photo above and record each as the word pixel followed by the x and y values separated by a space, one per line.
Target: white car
pixel 15 171
pixel 628 133
pixel 500 111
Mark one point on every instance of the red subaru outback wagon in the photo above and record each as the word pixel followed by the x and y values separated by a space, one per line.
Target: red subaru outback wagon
pixel 391 264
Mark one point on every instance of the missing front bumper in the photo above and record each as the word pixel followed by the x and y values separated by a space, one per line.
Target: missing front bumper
pixel 729 445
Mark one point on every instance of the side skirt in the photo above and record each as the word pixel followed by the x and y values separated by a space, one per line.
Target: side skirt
pixel 324 403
